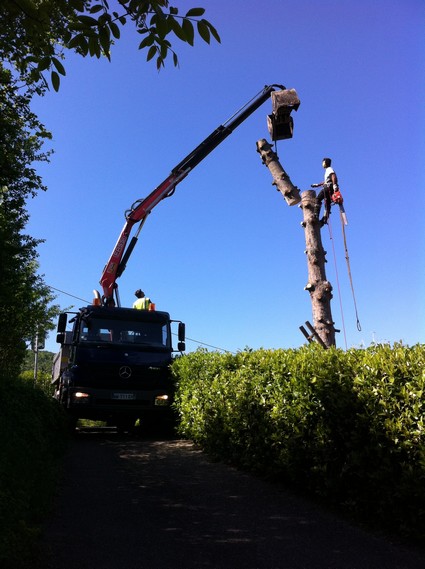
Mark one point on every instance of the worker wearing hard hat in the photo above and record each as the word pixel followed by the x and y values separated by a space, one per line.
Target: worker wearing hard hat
pixel 142 302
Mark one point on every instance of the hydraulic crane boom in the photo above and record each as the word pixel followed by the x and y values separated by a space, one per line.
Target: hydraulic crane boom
pixel 142 208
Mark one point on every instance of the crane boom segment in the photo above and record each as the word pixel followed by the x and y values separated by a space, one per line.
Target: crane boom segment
pixel 142 208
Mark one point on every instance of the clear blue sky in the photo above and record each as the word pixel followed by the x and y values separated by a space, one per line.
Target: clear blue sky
pixel 225 254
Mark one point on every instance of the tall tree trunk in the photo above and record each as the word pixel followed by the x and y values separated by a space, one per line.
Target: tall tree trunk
pixel 319 288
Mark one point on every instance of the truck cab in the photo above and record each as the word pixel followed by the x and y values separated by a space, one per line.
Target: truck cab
pixel 114 365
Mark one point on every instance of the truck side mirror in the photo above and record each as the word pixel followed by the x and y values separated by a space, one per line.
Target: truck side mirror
pixel 182 332
pixel 60 337
pixel 181 346
pixel 62 322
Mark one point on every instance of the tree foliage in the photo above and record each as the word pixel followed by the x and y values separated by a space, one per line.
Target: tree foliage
pixel 24 297
pixel 35 34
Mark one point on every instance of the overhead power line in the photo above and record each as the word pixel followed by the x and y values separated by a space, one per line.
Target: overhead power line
pixel 209 345
pixel 68 294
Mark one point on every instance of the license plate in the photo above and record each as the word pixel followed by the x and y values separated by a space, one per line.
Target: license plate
pixel 123 396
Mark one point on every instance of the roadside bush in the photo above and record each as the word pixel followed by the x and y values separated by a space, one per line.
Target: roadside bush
pixel 44 381
pixel 33 434
pixel 347 426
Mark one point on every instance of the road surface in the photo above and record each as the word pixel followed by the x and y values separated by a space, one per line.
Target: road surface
pixel 128 503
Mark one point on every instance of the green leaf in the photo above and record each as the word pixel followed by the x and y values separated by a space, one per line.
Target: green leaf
pixel 67 36
pixel 80 44
pixel 161 27
pixel 204 31
pixel 147 41
pixel 105 40
pixel 164 50
pixel 77 27
pixel 74 42
pixel 44 64
pixel 178 30
pixel 213 31
pixel 115 30
pixel 95 46
pixel 195 12
pixel 96 8
pixel 55 81
pixel 60 68
pixel 151 53
pixel 77 5
pixel 88 21
pixel 103 20
pixel 189 31
pixel 116 16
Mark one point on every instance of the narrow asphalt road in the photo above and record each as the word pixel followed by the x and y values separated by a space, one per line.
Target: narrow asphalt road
pixel 127 503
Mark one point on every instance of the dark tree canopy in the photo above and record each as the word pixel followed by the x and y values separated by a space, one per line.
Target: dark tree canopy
pixel 35 34
pixel 24 297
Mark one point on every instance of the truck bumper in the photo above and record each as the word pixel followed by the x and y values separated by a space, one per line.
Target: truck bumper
pixel 105 404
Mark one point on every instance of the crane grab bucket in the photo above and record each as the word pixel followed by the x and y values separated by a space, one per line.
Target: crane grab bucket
pixel 280 122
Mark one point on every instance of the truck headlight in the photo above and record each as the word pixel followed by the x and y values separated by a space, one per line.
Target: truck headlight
pixel 80 397
pixel 162 400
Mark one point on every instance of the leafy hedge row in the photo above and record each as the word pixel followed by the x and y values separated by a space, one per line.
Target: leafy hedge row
pixel 33 435
pixel 347 426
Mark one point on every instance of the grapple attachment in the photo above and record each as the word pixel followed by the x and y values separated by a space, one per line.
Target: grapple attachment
pixel 280 122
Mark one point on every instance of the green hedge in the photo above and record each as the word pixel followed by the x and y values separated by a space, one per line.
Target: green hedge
pixel 347 426
pixel 33 435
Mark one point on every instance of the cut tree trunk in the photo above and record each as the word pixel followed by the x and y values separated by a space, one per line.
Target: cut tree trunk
pixel 280 178
pixel 318 286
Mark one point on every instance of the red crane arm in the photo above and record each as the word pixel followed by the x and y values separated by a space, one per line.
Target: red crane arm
pixel 119 257
pixel 141 208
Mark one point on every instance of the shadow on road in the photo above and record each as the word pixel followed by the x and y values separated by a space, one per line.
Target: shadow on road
pixel 145 502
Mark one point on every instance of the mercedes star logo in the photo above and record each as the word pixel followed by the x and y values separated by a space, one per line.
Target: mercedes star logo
pixel 124 372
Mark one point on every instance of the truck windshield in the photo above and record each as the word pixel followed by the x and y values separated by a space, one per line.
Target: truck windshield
pixel 98 330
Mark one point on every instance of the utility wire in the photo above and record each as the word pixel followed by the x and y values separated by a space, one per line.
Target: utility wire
pixel 210 346
pixel 189 339
pixel 68 294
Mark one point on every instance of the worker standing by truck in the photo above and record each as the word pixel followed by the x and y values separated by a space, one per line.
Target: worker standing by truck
pixel 143 302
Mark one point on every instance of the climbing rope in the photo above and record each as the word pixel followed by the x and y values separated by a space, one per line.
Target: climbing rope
pixel 347 258
pixel 359 328
pixel 337 280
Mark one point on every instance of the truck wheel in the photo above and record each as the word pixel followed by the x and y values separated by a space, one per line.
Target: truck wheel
pixel 72 423
pixel 125 426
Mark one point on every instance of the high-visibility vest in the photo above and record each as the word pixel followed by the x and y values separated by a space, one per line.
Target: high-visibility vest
pixel 142 303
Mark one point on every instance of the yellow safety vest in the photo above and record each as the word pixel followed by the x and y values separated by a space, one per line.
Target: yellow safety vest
pixel 142 303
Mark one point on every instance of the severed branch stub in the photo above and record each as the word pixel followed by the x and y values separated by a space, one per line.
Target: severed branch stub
pixel 280 178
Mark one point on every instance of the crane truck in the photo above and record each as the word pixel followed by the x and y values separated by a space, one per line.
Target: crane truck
pixel 114 364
